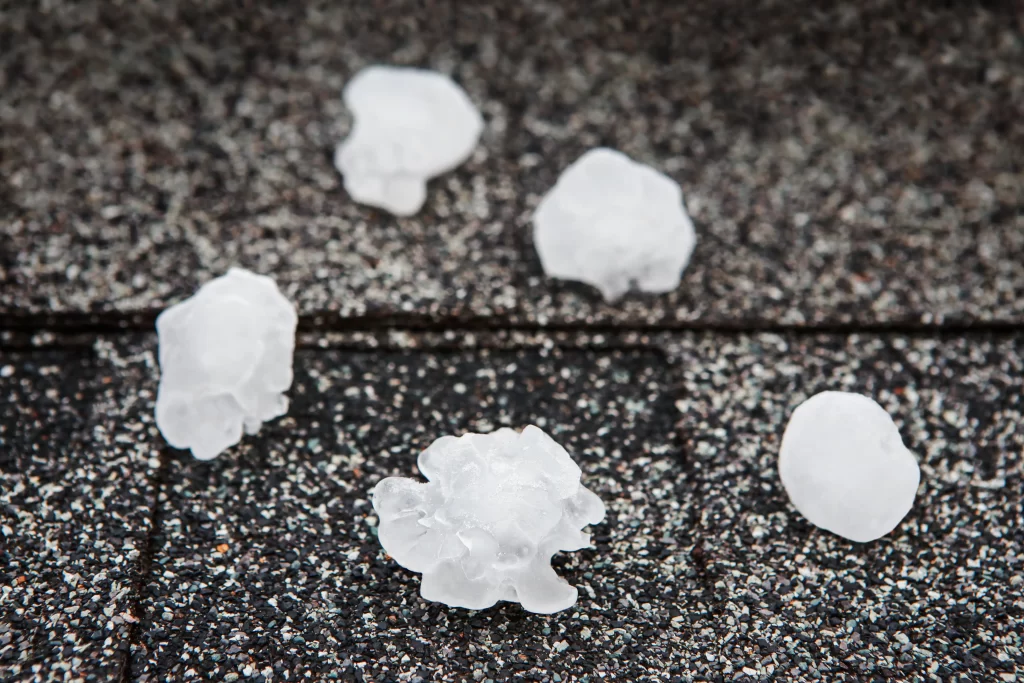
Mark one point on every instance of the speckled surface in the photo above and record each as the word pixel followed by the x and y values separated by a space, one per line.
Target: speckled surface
pixel 855 164
pixel 938 598
pixel 265 561
pixel 849 164
pixel 76 497
pixel 147 148
pixel 300 585
pixel 844 167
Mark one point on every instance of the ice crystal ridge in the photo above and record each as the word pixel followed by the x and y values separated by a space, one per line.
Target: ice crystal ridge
pixel 409 126
pixel 613 223
pixel 496 508
pixel 225 359
pixel 845 467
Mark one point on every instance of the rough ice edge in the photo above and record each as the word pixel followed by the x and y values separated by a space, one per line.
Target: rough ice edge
pixel 410 125
pixel 648 236
pixel 819 485
pixel 206 409
pixel 467 533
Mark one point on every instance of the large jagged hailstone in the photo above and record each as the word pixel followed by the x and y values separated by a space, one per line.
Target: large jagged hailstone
pixel 845 467
pixel 410 125
pixel 614 223
pixel 496 508
pixel 225 359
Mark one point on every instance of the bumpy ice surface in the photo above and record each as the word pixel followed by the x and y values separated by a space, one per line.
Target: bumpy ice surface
pixel 484 528
pixel 614 223
pixel 225 359
pixel 845 467
pixel 409 126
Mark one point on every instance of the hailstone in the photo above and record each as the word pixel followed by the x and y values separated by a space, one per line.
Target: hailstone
pixel 225 359
pixel 484 527
pixel 410 125
pixel 845 468
pixel 614 223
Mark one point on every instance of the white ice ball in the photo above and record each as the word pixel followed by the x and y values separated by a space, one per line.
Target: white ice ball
pixel 614 223
pixel 484 526
pixel 225 361
pixel 410 125
pixel 845 468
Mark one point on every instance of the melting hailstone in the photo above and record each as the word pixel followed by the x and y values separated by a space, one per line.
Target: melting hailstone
pixel 845 467
pixel 410 125
pixel 496 508
pixel 225 359
pixel 614 223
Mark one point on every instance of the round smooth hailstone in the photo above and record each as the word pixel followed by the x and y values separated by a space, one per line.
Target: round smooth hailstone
pixel 845 468
pixel 614 223
pixel 410 125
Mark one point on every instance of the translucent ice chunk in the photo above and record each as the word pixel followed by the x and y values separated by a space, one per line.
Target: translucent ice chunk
pixel 410 125
pixel 225 359
pixel 613 223
pixel 485 526
pixel 845 468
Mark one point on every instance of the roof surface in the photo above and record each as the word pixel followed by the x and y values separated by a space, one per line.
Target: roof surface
pixel 855 176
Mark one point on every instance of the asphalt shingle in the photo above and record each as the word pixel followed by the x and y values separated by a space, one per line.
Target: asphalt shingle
pixel 937 599
pixel 146 149
pixel 846 165
pixel 76 499
pixel 268 561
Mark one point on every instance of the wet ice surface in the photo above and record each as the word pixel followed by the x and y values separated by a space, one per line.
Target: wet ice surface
pixel 484 529
pixel 410 125
pixel 225 359
pixel 845 467
pixel 614 223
